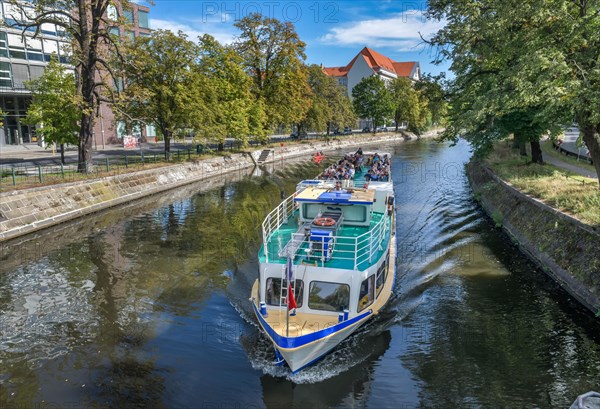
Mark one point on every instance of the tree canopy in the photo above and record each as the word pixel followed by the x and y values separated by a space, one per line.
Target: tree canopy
pixel 373 100
pixel 330 108
pixel 228 94
pixel 161 84
pixel 408 105
pixel 87 25
pixel 273 56
pixel 55 106
pixel 535 64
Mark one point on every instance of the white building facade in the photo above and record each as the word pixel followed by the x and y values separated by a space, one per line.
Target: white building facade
pixel 367 63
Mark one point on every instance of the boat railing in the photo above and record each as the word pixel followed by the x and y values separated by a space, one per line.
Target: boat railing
pixel 275 219
pixel 324 251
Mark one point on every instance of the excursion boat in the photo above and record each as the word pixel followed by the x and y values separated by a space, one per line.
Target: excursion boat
pixel 326 265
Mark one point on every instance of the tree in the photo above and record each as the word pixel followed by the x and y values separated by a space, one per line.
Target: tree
pixel 55 106
pixel 408 105
pixel 432 91
pixel 228 96
pixel 162 84
pixel 488 42
pixel 273 56
pixel 86 25
pixel 330 108
pixel 373 100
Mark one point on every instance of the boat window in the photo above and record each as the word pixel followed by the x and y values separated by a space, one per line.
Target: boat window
pixel 328 296
pixel 273 292
pixel 355 213
pixel 366 295
pixel 382 275
pixel 311 210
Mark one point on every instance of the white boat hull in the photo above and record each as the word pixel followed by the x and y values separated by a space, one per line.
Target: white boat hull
pixel 301 351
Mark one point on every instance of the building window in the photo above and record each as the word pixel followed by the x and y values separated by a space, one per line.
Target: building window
pixel 17 52
pixel 328 296
pixel 274 292
pixel 128 15
pixel 5 75
pixel 143 19
pixel 130 35
pixel 150 131
pixel 50 47
pixel 3 45
pixel 144 34
pixel 115 31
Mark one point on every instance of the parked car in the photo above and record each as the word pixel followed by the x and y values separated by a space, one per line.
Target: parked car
pixel 347 130
pixel 366 129
pixel 298 135
pixel 382 129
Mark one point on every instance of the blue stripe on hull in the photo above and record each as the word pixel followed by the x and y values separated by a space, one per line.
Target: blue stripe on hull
pixel 295 342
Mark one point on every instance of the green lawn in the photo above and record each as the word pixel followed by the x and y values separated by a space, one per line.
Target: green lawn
pixel 561 189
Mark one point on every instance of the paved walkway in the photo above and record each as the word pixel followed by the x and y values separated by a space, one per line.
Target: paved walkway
pixel 31 154
pixel 568 165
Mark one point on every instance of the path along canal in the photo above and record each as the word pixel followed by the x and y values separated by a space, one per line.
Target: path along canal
pixel 147 306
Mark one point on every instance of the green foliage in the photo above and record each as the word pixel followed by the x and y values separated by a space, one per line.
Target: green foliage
pixel 409 105
pixel 273 56
pixel 372 99
pixel 489 97
pixel 331 108
pixel 432 91
pixel 85 24
pixel 541 59
pixel 497 218
pixel 162 86
pixel 55 108
pixel 227 94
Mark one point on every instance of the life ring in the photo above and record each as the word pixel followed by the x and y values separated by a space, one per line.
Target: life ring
pixel 324 221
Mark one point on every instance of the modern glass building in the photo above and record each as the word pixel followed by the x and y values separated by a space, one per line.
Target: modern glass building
pixel 24 58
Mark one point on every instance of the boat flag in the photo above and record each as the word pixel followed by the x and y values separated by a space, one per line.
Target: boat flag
pixel 291 300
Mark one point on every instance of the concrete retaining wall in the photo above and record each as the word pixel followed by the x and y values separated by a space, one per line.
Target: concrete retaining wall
pixel 565 248
pixel 29 210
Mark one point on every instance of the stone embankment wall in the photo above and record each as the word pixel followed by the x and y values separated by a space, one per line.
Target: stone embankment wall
pixel 565 248
pixel 29 210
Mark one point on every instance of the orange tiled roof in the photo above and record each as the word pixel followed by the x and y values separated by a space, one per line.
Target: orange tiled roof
pixel 376 61
pixel 335 71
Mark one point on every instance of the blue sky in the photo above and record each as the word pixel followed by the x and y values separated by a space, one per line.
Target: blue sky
pixel 334 31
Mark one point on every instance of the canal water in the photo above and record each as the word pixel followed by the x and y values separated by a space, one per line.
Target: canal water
pixel 147 306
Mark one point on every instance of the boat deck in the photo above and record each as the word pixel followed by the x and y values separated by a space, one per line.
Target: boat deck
pixel 343 250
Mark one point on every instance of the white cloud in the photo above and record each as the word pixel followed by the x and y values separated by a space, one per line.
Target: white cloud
pixel 217 30
pixel 400 31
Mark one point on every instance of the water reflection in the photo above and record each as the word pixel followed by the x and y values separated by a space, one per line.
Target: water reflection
pixel 147 305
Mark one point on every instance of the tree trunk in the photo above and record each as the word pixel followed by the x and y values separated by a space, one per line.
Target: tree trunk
pixel 518 142
pixel 167 136
pixel 85 143
pixel 62 153
pixel 536 152
pixel 221 147
pixel 396 126
pixel 592 141
pixel 328 128
pixel 522 149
